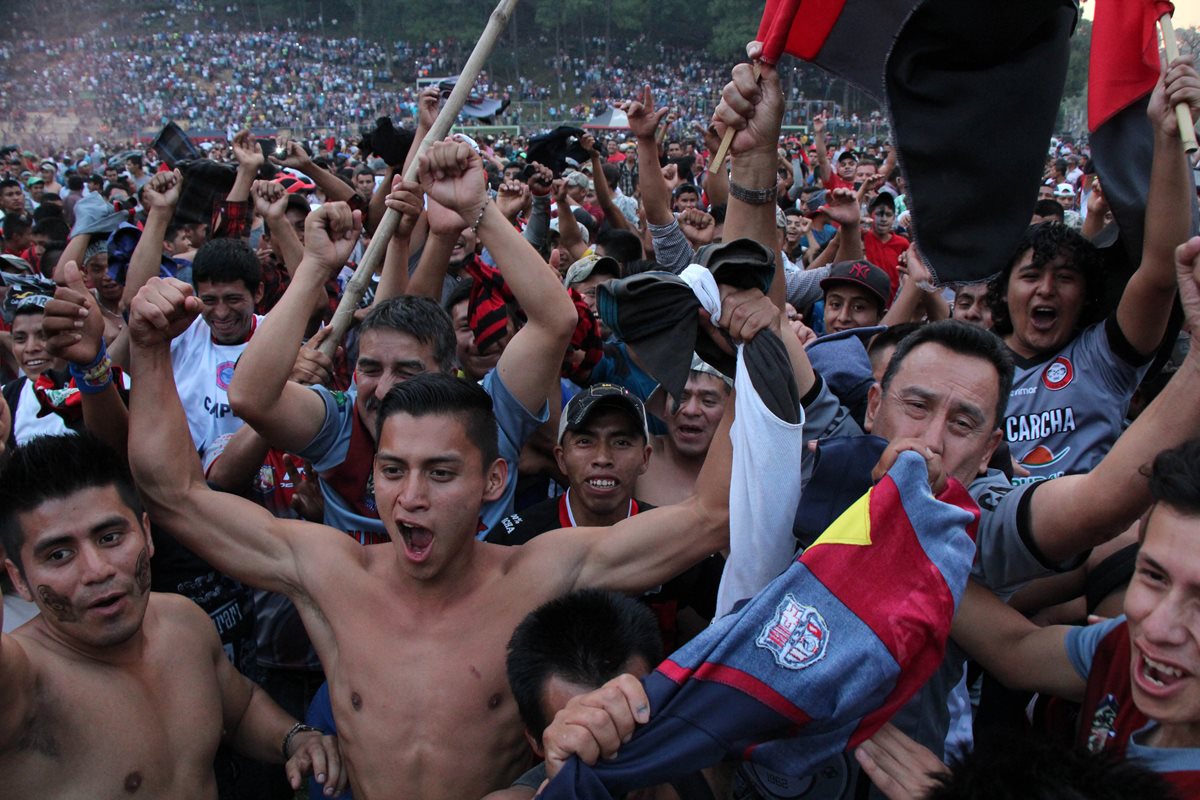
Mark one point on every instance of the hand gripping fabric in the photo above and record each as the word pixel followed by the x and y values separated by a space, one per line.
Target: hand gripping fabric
pixel 818 660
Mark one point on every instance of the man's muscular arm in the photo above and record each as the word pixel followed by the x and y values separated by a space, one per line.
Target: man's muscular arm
pixel 18 680
pixel 531 361
pixel 754 109
pixel 647 549
pixel 257 727
pixel 1143 310
pixel 286 414
pixel 644 122
pixel 236 536
pixel 1019 653
pixel 160 197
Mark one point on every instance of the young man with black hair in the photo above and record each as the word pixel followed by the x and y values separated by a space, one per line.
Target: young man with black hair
pixel 12 198
pixel 571 645
pixel 623 246
pixel 602 449
pixel 684 197
pixel 364 183
pixel 1076 367
pixel 416 683
pixel 400 338
pixel 881 245
pixel 1137 676
pixel 137 172
pixel 18 237
pixel 113 689
pixel 691 426
pixel 228 281
pixel 970 304
pixel 1047 211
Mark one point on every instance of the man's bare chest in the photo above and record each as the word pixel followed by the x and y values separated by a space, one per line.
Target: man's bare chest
pixel 109 733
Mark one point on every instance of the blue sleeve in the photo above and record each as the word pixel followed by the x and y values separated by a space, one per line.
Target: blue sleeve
pixel 515 425
pixel 328 448
pixel 1083 640
pixel 515 422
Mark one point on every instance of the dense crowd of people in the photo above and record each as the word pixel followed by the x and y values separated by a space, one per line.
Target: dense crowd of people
pixel 197 66
pixel 615 463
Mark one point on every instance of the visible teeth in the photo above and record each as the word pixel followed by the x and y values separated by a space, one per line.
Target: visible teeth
pixel 601 483
pixel 1170 672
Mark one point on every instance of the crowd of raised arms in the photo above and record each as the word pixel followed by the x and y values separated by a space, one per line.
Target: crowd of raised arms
pixel 603 402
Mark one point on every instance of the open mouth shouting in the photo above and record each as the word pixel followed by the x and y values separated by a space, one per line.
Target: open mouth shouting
pixel 1043 318
pixel 418 541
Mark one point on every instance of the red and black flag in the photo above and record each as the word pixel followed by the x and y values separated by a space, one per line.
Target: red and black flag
pixel 972 92
pixel 1123 68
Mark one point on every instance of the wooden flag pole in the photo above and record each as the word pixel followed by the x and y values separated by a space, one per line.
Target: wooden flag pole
pixel 727 139
pixel 1187 131
pixel 357 286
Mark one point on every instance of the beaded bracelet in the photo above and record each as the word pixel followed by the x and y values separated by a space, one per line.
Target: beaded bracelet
pixel 479 219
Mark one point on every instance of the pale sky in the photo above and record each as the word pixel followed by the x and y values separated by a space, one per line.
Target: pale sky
pixel 1187 13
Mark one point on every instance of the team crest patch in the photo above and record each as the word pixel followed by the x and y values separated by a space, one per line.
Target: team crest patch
pixel 225 374
pixel 1104 724
pixel 797 634
pixel 1058 374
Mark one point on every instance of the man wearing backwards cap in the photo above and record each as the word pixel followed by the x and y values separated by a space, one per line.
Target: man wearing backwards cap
pixel 856 295
pixel 589 272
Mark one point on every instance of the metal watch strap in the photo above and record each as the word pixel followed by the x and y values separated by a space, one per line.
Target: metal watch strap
pixel 754 197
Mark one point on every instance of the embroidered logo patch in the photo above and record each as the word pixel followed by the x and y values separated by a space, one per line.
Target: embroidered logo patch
pixel 1104 724
pixel 1058 374
pixel 225 374
pixel 797 635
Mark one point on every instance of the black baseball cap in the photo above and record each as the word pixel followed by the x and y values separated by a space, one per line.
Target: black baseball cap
pixel 864 274
pixel 882 199
pixel 598 396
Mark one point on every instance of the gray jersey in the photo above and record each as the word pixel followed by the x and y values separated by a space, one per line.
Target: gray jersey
pixel 1067 409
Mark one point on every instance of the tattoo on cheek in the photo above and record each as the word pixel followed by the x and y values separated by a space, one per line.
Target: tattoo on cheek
pixel 141 571
pixel 57 604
